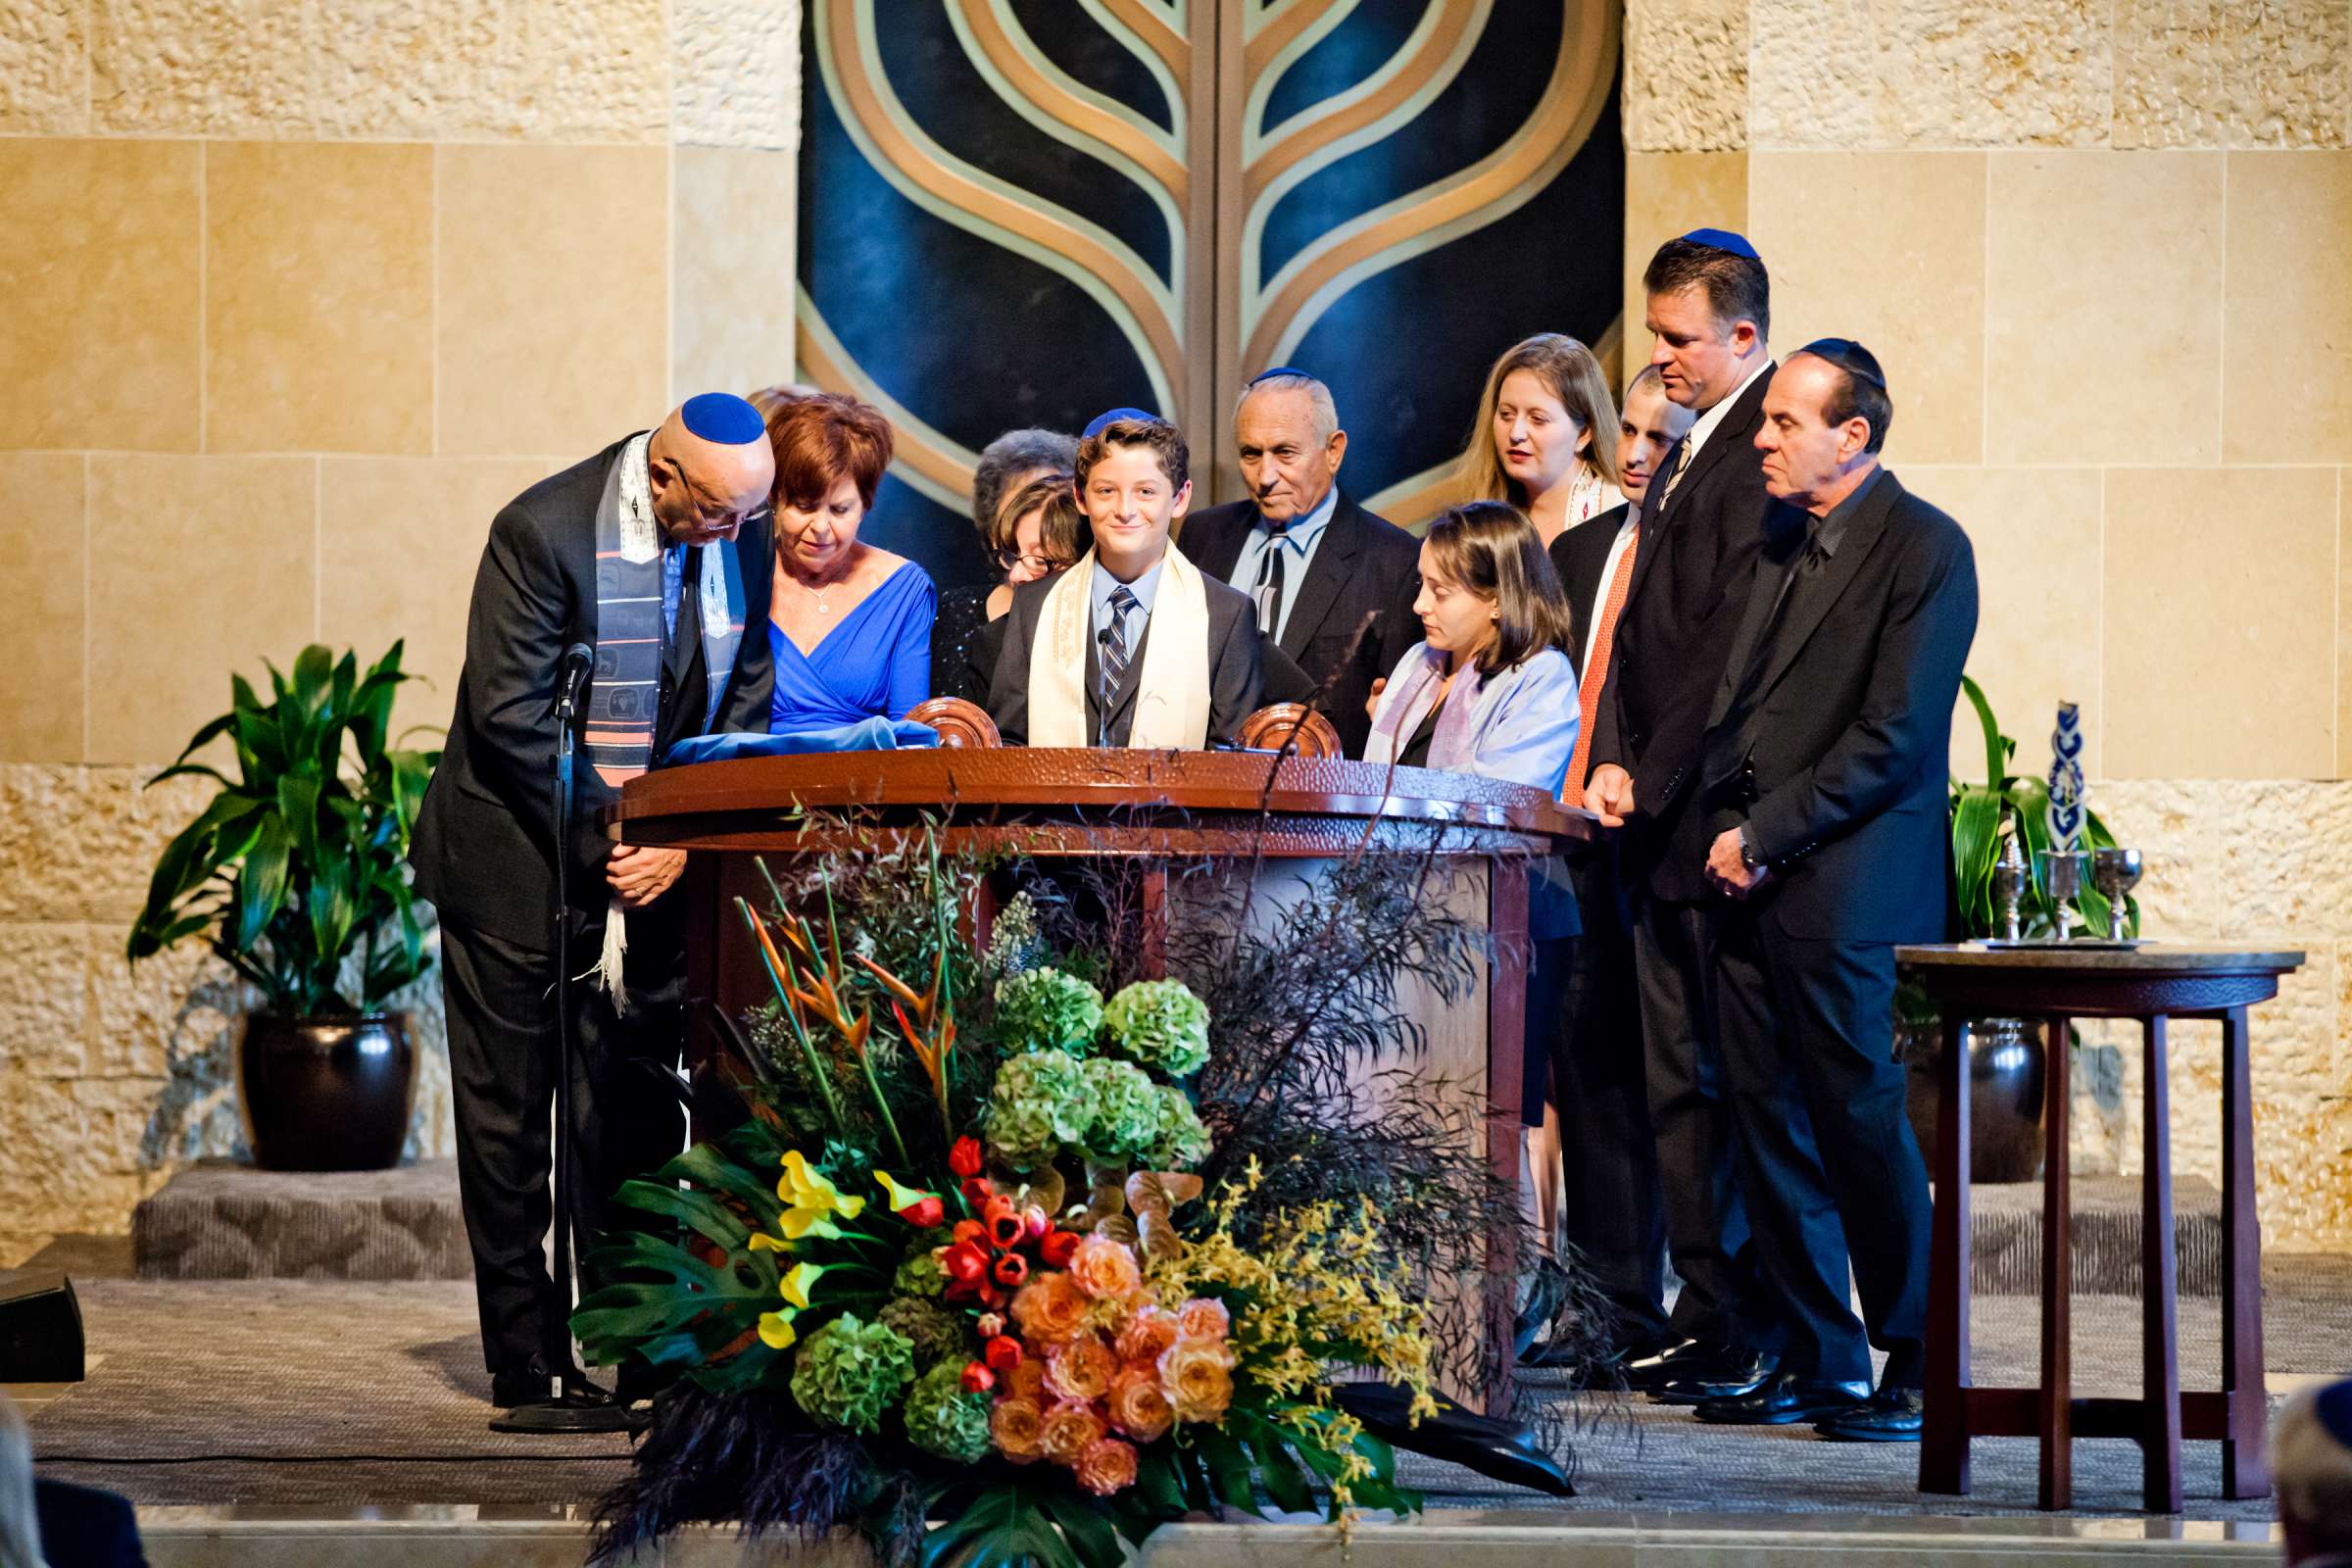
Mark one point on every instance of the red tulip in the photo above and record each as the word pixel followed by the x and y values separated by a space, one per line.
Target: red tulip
pixel 1004 1220
pixel 977 1379
pixel 1056 1246
pixel 965 1264
pixel 976 1189
pixel 1011 1269
pixel 926 1214
pixel 993 1298
pixel 970 1232
pixel 965 1158
pixel 1003 1352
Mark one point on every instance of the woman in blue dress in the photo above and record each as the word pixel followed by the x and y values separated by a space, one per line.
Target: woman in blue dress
pixel 849 624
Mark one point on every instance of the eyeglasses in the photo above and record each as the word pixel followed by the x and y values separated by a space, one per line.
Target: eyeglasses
pixel 1010 559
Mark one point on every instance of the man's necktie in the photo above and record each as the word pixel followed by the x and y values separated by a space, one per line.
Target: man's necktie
pixel 1596 668
pixel 1674 475
pixel 1808 563
pixel 1114 650
pixel 1268 592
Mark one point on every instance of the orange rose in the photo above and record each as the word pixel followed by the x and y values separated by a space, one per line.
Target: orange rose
pixel 1081 1369
pixel 1027 1381
pixel 1147 1335
pixel 1203 1317
pixel 1196 1375
pixel 1105 1467
pixel 1050 1308
pixel 1105 1269
pixel 1138 1407
pixel 1071 1427
pixel 1015 1426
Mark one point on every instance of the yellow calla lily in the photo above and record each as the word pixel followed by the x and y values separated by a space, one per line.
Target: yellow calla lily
pixel 804 1187
pixel 800 1222
pixel 801 1280
pixel 899 1197
pixel 776 1331
pixel 762 1242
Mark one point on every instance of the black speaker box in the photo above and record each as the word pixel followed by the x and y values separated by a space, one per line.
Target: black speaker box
pixel 40 1329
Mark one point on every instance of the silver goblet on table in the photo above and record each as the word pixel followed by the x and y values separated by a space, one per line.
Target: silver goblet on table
pixel 2115 872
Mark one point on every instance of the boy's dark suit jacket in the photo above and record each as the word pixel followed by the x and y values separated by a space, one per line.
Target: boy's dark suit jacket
pixel 484 845
pixel 1352 617
pixel 1830 736
pixel 1234 673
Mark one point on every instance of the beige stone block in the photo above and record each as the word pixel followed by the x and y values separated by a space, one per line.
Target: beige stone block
pixel 555 297
pixel 735 73
pixel 2079 243
pixel 125 825
pixel 550 70
pixel 2182 827
pixel 1909 283
pixel 2287 365
pixel 731 302
pixel 2343 626
pixel 201 68
pixel 1668 194
pixel 45 68
pixel 1860 74
pixel 43 547
pixel 98 263
pixel 44 1007
pixel 400 539
pixel 1686 75
pixel 70 1157
pixel 42 807
pixel 2188 626
pixel 2223 74
pixel 319 297
pixel 224 578
pixel 2037 536
pixel 154 1020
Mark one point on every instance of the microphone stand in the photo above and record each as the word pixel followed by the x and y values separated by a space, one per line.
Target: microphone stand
pixel 586 1409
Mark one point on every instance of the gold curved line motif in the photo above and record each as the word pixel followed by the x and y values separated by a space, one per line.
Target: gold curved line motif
pixel 970 196
pixel 1275 34
pixel 1440 47
pixel 1497 185
pixel 826 364
pixel 1060 103
pixel 1155 33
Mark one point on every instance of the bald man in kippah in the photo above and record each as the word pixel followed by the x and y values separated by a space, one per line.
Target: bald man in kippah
pixel 654 553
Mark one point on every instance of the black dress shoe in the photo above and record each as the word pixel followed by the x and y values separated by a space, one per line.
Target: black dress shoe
pixel 1733 1375
pixel 1782 1400
pixel 1668 1363
pixel 1891 1415
pixel 530 1386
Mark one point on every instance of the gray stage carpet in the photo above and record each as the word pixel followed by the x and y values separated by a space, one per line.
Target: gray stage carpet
pixel 344 1394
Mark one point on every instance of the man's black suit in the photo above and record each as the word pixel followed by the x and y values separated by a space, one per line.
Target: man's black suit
pixel 1234 675
pixel 1351 618
pixel 485 850
pixel 1828 742
pixel 1689 585
pixel 1611 1210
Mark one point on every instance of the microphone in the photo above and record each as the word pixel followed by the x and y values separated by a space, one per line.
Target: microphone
pixel 578 660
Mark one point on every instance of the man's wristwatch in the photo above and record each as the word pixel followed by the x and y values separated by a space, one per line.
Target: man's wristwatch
pixel 1747 853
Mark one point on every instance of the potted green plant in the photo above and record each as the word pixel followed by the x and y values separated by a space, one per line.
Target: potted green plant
pixel 2007 1075
pixel 298 872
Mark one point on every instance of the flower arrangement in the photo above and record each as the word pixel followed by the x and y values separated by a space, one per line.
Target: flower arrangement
pixel 955 1264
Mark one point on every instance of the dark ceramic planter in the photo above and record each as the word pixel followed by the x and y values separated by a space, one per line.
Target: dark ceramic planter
pixel 2006 1075
pixel 326 1094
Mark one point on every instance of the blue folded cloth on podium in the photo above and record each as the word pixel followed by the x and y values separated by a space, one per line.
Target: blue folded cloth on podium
pixel 876 734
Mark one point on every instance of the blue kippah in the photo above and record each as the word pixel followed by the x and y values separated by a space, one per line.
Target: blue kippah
pixel 723 417
pixel 2334 1408
pixel 1279 370
pixel 1723 239
pixel 1097 425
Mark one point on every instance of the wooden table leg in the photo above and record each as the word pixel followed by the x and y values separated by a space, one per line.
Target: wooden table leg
pixel 2057 1276
pixel 1944 1435
pixel 2244 1472
pixel 2160 1368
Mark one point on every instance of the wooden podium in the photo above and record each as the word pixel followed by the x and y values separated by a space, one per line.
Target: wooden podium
pixel 1267 813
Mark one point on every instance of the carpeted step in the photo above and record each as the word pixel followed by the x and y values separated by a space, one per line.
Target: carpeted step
pixel 218 1220
pixel 2005 1236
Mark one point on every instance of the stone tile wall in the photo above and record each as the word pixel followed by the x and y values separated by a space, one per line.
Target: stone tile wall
pixel 300 292
pixel 2099 250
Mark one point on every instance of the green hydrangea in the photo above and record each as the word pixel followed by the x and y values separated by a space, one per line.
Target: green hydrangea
pixel 1182 1142
pixel 850 1372
pixel 1037 1108
pixel 1126 1112
pixel 1161 1024
pixel 920 1274
pixel 943 1419
pixel 932 1330
pixel 1046 1009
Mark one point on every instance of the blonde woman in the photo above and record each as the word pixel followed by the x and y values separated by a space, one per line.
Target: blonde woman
pixel 1546 438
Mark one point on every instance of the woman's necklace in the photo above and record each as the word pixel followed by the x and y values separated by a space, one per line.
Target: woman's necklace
pixel 819 594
